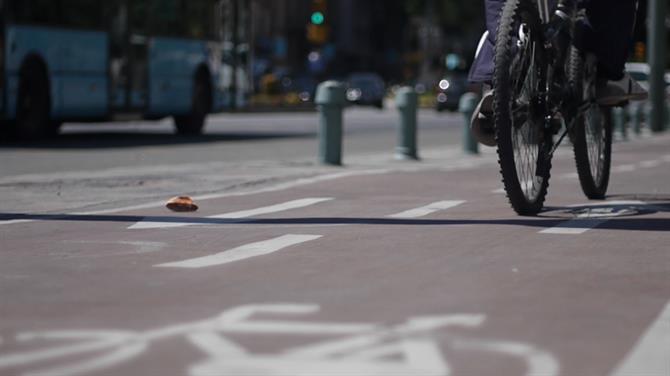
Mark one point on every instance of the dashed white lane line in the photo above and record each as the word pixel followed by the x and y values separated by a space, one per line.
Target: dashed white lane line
pixel 426 210
pixel 651 354
pixel 241 253
pixel 592 217
pixel 574 227
pixel 650 164
pixel 624 168
pixel 296 204
pixel 528 184
pixel 569 176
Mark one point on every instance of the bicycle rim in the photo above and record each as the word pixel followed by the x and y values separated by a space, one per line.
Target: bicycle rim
pixel 592 140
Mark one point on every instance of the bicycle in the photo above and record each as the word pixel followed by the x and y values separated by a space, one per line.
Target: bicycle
pixel 544 85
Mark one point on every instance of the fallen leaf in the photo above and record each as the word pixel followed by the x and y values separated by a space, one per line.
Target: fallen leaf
pixel 181 204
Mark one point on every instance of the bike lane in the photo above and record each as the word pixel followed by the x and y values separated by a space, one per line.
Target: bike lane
pixel 567 304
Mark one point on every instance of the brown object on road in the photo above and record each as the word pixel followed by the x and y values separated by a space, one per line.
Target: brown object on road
pixel 181 204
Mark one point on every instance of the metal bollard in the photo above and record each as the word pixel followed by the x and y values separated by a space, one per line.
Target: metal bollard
pixel 466 106
pixel 330 100
pixel 407 102
pixel 619 122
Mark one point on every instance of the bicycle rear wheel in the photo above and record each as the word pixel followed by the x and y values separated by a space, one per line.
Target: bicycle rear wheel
pixel 592 132
pixel 519 87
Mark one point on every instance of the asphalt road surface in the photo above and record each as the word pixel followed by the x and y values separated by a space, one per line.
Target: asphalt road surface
pixel 377 268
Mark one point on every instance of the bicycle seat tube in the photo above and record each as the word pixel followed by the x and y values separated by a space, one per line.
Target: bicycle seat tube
pixel 558 37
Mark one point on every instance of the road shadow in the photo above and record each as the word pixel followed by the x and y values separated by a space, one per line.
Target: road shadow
pixel 130 139
pixel 625 218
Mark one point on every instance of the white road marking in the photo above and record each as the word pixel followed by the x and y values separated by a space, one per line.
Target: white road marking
pixel 592 218
pixel 87 341
pixel 242 252
pixel 295 204
pixel 138 247
pixel 574 227
pixel 426 210
pixel 538 362
pixel 525 185
pixel 413 325
pixel 86 367
pixel 651 354
pixel 624 168
pixel 242 320
pixel 569 176
pixel 15 221
pixel 650 164
pixel 422 354
pixel 359 348
pixel 216 345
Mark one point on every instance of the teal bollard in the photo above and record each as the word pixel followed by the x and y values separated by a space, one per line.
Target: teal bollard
pixel 635 114
pixel 619 122
pixel 407 102
pixel 466 106
pixel 330 100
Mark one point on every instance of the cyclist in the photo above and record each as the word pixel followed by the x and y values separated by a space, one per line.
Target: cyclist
pixel 611 33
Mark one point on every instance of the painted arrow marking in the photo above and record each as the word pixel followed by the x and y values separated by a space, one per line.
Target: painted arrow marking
pixel 296 204
pixel 241 253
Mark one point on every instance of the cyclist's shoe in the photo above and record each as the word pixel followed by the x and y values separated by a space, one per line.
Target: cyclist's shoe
pixel 481 123
pixel 614 93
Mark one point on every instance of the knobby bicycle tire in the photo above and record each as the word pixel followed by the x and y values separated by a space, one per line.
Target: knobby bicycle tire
pixel 524 147
pixel 592 132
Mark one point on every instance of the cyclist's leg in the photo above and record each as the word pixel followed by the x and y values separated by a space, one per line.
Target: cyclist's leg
pixel 613 23
pixel 482 68
pixel 482 72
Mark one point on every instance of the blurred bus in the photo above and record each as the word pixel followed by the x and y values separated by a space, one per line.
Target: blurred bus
pixel 93 60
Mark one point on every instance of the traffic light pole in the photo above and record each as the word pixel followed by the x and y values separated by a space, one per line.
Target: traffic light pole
pixel 657 53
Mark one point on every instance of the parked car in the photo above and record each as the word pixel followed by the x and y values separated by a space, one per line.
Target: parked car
pixel 449 91
pixel 366 89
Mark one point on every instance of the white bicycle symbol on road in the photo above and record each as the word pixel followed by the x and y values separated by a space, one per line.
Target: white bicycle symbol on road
pixel 361 349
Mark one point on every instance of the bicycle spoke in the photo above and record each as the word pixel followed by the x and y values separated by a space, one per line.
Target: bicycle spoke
pixel 524 132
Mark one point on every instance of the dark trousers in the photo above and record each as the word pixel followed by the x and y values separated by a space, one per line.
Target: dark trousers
pixel 610 39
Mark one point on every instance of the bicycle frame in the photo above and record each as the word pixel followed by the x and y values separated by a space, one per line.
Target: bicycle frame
pixel 557 16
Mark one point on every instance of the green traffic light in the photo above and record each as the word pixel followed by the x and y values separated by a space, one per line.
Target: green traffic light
pixel 318 18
